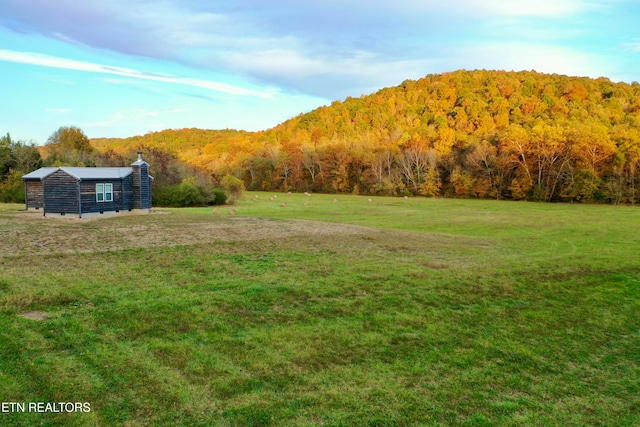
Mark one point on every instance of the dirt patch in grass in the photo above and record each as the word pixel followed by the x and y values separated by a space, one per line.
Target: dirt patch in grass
pixel 35 315
pixel 435 265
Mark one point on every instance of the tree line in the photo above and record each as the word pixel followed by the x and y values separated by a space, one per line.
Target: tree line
pixel 470 134
pixel 175 183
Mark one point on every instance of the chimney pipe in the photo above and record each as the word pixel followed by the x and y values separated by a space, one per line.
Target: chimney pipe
pixel 139 156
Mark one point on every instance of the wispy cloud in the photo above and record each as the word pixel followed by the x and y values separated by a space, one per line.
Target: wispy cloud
pixel 539 8
pixel 70 64
pixel 346 74
pixel 132 115
pixel 633 47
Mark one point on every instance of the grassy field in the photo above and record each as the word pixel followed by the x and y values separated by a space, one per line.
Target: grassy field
pixel 310 311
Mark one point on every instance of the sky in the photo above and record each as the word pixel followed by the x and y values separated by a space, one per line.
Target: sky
pixel 121 68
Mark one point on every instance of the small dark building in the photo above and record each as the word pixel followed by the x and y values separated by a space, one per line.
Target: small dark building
pixel 89 191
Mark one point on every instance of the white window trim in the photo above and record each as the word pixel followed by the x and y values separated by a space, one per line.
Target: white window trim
pixel 107 190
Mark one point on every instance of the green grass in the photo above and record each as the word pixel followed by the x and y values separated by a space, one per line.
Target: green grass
pixel 389 312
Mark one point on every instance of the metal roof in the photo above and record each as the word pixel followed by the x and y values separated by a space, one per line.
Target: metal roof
pixel 40 173
pixel 82 173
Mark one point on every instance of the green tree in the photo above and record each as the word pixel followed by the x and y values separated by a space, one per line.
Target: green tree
pixel 16 159
pixel 26 157
pixel 12 188
pixel 6 159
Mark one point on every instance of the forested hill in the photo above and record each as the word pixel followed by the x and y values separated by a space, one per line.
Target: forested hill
pixel 485 134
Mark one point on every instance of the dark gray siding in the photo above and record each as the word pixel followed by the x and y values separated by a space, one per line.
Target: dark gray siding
pixel 34 194
pixel 127 193
pixel 60 193
pixel 145 187
pixel 89 202
pixel 141 187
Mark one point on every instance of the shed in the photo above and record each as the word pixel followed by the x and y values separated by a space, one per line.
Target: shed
pixel 87 191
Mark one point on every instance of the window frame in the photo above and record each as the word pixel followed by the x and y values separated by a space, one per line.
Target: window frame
pixel 104 192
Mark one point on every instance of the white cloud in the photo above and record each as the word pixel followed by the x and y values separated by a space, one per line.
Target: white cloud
pixel 528 7
pixel 134 115
pixel 345 74
pixel 70 64
pixel 519 8
pixel 530 56
pixel 633 47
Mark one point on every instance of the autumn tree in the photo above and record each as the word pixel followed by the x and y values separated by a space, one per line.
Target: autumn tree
pixel 515 146
pixel 336 162
pixel 552 156
pixel 69 145
pixel 418 164
pixel 591 147
pixel 311 159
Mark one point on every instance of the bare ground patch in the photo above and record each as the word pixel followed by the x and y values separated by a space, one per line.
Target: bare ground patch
pixel 35 315
pixel 27 233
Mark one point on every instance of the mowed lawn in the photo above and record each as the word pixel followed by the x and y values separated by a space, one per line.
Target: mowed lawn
pixel 325 310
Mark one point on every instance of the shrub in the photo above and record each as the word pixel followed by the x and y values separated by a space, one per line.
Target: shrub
pixel 181 195
pixel 185 194
pixel 233 186
pixel 220 197
pixel 12 189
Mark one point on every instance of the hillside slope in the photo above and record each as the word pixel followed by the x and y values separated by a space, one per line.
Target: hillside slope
pixel 515 135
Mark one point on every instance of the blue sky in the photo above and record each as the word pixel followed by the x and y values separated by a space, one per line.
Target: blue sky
pixel 121 68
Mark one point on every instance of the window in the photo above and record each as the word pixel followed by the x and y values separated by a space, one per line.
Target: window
pixel 104 192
